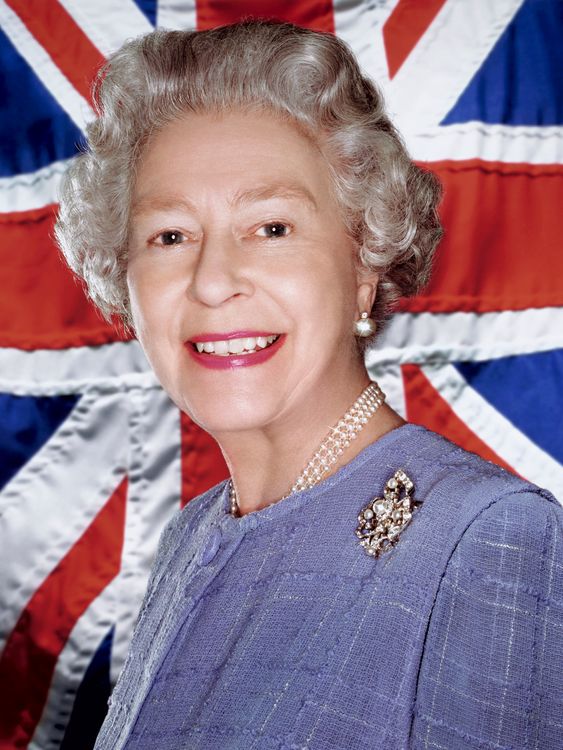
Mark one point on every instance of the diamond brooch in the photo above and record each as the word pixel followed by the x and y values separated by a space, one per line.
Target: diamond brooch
pixel 381 521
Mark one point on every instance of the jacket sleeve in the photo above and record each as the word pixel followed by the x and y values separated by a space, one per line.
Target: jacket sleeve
pixel 491 675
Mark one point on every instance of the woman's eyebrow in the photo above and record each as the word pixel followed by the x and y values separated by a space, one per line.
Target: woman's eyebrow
pixel 149 203
pixel 264 192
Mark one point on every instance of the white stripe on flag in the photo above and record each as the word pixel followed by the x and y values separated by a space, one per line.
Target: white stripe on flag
pixel 444 61
pixel 360 24
pixel 445 337
pixel 107 23
pixel 49 74
pixel 478 140
pixel 176 14
pixel 495 430
pixel 48 372
pixel 26 192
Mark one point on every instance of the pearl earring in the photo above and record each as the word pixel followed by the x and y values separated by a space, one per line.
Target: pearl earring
pixel 365 326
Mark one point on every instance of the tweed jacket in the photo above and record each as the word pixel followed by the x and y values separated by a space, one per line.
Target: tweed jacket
pixel 277 630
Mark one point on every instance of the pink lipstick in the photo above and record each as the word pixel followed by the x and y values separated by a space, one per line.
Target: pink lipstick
pixel 218 362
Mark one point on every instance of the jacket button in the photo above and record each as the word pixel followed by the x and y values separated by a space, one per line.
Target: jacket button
pixel 211 548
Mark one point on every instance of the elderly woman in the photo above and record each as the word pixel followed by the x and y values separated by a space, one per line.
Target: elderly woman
pixel 250 211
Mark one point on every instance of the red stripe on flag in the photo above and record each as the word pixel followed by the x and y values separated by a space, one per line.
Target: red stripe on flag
pixel 64 41
pixel 42 306
pixel 427 407
pixel 502 233
pixel 203 465
pixel 29 658
pixel 404 27
pixel 312 14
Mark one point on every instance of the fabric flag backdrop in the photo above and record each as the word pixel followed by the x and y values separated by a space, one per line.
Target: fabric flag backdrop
pixel 95 458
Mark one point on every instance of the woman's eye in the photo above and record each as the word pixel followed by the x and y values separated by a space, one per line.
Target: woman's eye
pixel 274 229
pixel 169 238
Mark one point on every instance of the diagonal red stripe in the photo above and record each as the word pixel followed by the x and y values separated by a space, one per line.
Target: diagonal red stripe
pixel 404 27
pixel 203 465
pixel 64 41
pixel 28 661
pixel 427 407
pixel 312 14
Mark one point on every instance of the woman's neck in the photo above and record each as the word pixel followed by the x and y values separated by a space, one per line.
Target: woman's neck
pixel 265 464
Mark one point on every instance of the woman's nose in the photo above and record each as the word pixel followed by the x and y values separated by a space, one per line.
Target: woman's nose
pixel 219 273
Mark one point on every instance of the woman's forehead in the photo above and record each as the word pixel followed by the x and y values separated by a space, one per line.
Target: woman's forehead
pixel 247 157
pixel 260 131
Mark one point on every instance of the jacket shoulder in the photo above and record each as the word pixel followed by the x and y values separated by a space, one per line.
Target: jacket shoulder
pixel 490 673
pixel 447 471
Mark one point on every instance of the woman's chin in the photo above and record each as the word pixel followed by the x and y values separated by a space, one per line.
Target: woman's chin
pixel 226 418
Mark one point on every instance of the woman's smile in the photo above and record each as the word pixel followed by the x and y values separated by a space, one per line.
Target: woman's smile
pixel 234 342
pixel 234 350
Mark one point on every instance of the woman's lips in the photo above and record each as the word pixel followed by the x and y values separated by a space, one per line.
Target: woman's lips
pixel 224 362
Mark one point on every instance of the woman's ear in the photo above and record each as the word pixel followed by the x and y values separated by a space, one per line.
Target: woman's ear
pixel 366 291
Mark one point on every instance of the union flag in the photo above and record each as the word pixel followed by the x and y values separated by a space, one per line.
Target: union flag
pixel 94 456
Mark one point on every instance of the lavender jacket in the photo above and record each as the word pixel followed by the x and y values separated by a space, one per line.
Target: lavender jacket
pixel 277 630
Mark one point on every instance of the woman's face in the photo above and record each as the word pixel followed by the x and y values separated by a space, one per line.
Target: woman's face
pixel 234 233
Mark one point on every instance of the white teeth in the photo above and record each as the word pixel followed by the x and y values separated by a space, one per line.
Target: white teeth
pixel 221 347
pixel 235 346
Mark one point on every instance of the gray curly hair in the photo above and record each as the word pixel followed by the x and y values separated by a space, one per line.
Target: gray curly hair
pixel 388 204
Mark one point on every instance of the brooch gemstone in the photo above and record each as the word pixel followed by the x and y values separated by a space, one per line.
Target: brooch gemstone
pixel 384 518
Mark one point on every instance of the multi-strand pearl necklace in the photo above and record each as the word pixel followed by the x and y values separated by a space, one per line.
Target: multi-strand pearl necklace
pixel 338 439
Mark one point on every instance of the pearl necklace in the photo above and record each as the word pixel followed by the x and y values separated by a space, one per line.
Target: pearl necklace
pixel 334 444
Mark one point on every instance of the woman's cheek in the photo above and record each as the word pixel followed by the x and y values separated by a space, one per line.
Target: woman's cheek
pixel 153 286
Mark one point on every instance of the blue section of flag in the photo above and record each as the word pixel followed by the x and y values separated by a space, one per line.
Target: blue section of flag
pixel 526 389
pixel 34 130
pixel 90 704
pixel 520 81
pixel 27 423
pixel 149 8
